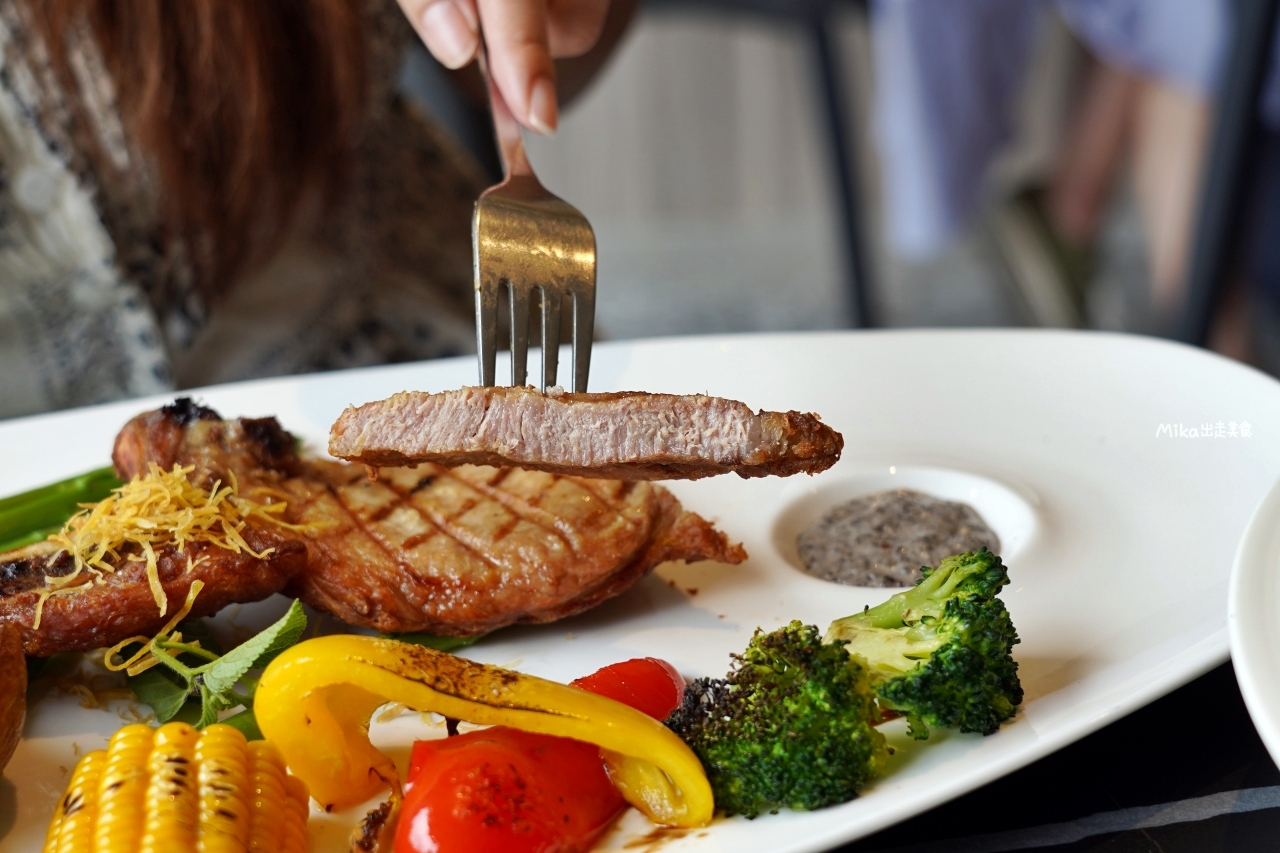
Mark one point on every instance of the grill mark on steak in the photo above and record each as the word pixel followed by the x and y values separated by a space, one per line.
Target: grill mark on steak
pixel 528 510
pixel 446 523
pixel 461 550
pixel 443 523
pixel 417 539
pixel 384 512
pixel 507 529
pixel 369 526
pixel 452 526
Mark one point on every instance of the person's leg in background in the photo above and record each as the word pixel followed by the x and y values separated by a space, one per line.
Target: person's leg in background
pixel 1155 131
pixel 1091 154
pixel 1142 112
pixel 1170 128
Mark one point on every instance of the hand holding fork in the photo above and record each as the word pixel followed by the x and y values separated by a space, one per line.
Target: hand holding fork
pixel 526 239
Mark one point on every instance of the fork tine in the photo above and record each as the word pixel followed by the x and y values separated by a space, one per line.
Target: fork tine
pixel 519 332
pixel 584 316
pixel 551 300
pixel 486 328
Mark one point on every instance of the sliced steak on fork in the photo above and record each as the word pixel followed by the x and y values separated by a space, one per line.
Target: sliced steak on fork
pixel 624 436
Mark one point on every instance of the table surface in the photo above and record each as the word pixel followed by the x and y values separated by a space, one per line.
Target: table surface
pixel 1186 773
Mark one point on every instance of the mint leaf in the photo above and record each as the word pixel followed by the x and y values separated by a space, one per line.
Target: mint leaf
pixel 432 641
pixel 208 708
pixel 162 693
pixel 285 634
pixel 256 652
pixel 189 713
pixel 211 704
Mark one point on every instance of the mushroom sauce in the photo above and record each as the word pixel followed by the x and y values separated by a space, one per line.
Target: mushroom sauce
pixel 883 539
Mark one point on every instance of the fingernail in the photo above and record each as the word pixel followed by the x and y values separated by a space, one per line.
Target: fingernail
pixel 449 33
pixel 542 107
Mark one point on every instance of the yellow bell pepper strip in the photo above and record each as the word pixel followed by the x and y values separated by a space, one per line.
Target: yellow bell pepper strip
pixel 316 699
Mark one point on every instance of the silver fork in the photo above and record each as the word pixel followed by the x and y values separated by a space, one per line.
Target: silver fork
pixel 524 238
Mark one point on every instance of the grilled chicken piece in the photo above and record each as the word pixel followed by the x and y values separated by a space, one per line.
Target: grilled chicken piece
pixel 189 434
pixel 123 606
pixel 13 691
pixel 627 436
pixel 449 551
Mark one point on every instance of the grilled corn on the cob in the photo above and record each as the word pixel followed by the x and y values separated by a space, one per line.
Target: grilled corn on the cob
pixel 177 790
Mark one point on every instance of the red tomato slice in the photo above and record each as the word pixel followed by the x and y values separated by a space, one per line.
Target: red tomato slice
pixel 501 790
pixel 646 684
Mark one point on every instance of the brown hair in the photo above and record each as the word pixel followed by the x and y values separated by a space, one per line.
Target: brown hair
pixel 240 106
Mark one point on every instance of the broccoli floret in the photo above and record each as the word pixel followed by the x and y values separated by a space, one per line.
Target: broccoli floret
pixel 939 654
pixel 790 726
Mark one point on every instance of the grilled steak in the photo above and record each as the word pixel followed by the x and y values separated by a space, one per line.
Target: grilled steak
pixel 449 551
pixel 627 436
pixel 122 606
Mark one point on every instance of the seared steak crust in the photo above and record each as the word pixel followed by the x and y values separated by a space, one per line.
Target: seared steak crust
pixel 122 606
pixel 456 551
pixel 625 436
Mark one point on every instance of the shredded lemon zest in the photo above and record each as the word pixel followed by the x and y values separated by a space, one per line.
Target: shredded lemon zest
pixel 116 649
pixel 390 712
pixel 145 658
pixel 145 664
pixel 154 511
pixel 46 592
pixel 132 714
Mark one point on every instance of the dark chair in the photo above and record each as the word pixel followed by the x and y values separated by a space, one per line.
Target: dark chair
pixel 1224 192
pixel 817 18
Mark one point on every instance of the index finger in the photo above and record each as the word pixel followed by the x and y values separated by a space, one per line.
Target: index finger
pixel 447 27
pixel 519 55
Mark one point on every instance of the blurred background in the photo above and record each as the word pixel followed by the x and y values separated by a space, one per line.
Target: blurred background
pixel 1008 164
pixel 179 208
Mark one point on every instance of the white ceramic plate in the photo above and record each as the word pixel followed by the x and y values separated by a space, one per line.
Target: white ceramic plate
pixel 1118 535
pixel 1253 620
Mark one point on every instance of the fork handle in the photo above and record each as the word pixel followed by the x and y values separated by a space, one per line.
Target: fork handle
pixel 515 162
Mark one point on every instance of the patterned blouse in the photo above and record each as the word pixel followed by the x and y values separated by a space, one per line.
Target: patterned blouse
pixel 95 307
